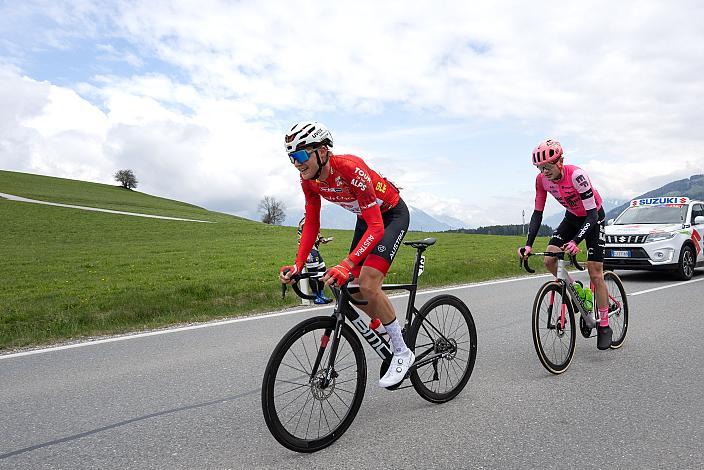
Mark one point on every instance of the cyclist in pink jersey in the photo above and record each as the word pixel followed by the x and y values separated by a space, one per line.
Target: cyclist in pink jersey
pixel 382 222
pixel 584 220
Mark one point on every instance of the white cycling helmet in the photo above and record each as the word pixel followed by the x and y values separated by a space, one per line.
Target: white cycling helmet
pixel 307 134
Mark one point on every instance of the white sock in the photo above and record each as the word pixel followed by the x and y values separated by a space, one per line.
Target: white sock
pixel 397 342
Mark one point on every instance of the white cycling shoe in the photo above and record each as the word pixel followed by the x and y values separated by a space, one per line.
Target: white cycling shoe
pixel 397 369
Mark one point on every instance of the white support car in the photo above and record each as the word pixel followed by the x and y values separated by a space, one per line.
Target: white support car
pixel 660 233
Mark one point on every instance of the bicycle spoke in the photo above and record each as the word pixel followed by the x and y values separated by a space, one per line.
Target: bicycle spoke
pixel 340 398
pixel 295 399
pixel 333 410
pixel 353 364
pixel 301 363
pixel 301 414
pixel 337 383
pixel 291 390
pixel 310 364
pixel 296 369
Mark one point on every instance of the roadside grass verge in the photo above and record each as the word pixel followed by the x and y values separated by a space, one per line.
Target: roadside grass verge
pixel 68 273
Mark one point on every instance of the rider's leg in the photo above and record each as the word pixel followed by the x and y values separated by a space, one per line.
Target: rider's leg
pixel 562 234
pixel 550 261
pixel 595 256
pixel 379 306
pixel 596 276
pixel 371 278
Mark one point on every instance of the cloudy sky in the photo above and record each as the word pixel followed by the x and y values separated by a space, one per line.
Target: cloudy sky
pixel 446 98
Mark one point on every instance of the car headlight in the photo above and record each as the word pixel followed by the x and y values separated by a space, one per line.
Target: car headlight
pixel 659 236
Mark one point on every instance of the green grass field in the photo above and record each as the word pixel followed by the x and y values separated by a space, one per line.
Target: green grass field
pixel 69 273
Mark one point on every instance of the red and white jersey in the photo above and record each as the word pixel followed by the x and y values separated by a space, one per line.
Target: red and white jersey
pixel 574 191
pixel 352 185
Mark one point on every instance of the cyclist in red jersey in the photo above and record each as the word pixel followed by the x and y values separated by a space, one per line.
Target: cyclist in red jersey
pixel 382 222
pixel 584 220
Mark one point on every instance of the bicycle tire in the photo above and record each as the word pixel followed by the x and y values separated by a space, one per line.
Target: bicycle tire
pixel 550 359
pixel 619 321
pixel 456 335
pixel 308 335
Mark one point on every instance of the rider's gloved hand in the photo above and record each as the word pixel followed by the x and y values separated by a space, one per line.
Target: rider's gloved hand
pixel 571 247
pixel 526 251
pixel 287 272
pixel 338 274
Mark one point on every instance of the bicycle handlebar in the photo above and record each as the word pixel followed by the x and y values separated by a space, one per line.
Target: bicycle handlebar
pixel 523 262
pixel 299 276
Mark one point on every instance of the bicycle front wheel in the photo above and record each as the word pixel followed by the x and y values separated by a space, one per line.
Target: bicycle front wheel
pixel 553 328
pixel 309 403
pixel 444 340
pixel 618 308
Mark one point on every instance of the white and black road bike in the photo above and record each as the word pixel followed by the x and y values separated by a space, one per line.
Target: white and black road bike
pixel 316 377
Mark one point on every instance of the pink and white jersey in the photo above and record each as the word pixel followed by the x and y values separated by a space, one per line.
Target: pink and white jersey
pixel 573 190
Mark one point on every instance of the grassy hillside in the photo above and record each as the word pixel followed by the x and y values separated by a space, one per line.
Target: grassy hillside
pixel 69 273
pixel 81 193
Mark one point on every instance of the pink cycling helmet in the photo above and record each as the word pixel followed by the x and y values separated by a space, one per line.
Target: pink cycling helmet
pixel 548 151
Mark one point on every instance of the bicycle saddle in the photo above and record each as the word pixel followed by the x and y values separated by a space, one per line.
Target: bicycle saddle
pixel 426 242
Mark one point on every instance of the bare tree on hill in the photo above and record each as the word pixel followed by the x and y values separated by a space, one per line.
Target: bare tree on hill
pixel 272 211
pixel 126 178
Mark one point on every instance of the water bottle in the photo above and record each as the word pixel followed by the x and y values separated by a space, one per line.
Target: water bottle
pixel 580 291
pixel 376 325
pixel 586 297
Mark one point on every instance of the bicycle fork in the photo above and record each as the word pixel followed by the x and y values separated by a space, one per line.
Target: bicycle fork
pixel 329 374
pixel 560 322
pixel 331 339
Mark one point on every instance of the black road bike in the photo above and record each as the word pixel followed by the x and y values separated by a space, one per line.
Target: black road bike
pixel 316 377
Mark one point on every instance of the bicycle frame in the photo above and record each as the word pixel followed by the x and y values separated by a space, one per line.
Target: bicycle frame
pixel 567 287
pixel 344 311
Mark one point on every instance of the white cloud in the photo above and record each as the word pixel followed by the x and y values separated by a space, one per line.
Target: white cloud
pixel 619 84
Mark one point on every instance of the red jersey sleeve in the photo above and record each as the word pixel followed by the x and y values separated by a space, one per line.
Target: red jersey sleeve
pixel 312 225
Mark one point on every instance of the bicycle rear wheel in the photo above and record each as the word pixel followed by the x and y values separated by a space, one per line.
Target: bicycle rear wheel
pixel 444 328
pixel 304 411
pixel 554 329
pixel 618 303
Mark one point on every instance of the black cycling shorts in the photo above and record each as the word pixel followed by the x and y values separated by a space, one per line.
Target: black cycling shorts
pixel 396 222
pixel 595 236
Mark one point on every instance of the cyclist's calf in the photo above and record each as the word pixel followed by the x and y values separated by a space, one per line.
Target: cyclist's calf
pixel 550 261
pixel 596 276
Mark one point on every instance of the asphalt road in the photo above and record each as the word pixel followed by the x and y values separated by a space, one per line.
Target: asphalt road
pixel 191 398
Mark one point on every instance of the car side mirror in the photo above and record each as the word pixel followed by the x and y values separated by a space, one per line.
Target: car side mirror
pixel 610 222
pixel 699 220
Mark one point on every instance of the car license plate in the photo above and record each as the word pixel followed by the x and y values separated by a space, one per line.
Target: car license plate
pixel 621 253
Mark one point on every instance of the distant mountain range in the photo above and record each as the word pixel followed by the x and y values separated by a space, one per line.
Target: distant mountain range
pixel 334 216
pixel 692 187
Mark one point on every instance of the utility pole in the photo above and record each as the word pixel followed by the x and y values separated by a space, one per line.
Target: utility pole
pixel 523 226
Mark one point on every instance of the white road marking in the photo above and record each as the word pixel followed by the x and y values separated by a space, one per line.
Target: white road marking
pixel 292 312
pixel 681 283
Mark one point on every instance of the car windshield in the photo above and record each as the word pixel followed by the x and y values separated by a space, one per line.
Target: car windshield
pixel 665 214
